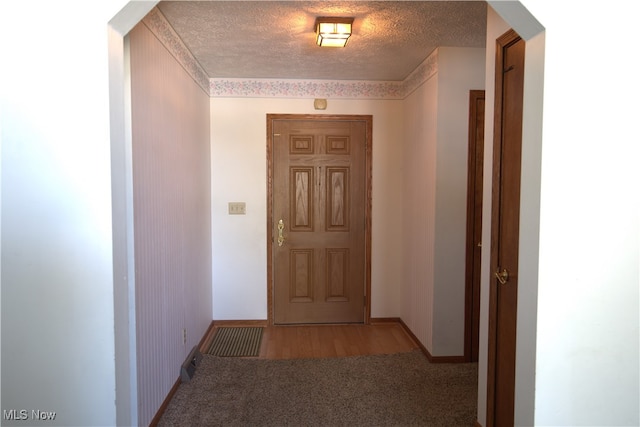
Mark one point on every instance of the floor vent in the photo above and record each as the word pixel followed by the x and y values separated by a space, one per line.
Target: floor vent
pixel 190 364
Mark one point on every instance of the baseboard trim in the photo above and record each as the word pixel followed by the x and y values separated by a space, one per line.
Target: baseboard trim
pixel 238 323
pixel 432 359
pixel 382 320
pixel 156 419
pixel 206 338
pixel 448 359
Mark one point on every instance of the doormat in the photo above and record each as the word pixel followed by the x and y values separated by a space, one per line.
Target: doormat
pixel 236 342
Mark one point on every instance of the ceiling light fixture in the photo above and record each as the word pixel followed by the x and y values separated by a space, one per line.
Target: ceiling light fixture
pixel 332 31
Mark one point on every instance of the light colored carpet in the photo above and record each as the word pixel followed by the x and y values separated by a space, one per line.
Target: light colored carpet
pixel 384 390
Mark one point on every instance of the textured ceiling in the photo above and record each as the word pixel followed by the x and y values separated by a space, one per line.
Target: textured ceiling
pixel 276 39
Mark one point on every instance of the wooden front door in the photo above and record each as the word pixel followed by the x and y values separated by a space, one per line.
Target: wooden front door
pixel 474 225
pixel 503 293
pixel 319 226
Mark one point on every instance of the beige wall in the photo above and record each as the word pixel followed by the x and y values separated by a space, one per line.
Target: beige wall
pixel 459 71
pixel 418 222
pixel 435 192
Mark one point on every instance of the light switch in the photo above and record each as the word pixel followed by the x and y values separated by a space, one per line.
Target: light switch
pixel 237 208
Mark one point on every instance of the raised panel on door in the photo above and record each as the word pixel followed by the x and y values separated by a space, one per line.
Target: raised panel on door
pixel 338 201
pixel 301 197
pixel 337 274
pixel 301 275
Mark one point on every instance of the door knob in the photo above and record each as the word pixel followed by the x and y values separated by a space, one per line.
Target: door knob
pixel 502 276
pixel 280 236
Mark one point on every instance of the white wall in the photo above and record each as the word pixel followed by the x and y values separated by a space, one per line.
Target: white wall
pixel 57 280
pixel 587 348
pixel 238 159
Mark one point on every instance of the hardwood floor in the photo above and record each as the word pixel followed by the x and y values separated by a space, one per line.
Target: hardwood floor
pixel 319 341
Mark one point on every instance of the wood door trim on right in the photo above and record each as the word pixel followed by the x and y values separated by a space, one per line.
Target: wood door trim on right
pixel 508 39
pixel 474 224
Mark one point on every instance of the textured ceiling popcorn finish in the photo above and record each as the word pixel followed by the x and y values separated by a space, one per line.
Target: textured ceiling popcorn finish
pixel 261 40
pixel 285 88
pixel 346 89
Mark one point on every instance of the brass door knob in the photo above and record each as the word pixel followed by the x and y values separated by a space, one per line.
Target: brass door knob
pixel 280 236
pixel 502 276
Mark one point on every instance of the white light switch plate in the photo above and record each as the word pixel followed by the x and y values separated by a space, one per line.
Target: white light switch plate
pixel 237 208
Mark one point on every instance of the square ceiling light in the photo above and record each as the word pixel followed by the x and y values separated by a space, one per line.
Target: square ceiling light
pixel 333 31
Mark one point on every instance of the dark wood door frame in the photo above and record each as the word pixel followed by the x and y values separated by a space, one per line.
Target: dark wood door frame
pixel 368 119
pixel 503 290
pixel 474 225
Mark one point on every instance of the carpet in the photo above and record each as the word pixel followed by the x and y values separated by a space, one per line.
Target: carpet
pixel 383 390
pixel 236 342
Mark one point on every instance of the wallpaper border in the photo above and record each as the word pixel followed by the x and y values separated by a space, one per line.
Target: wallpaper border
pixel 164 32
